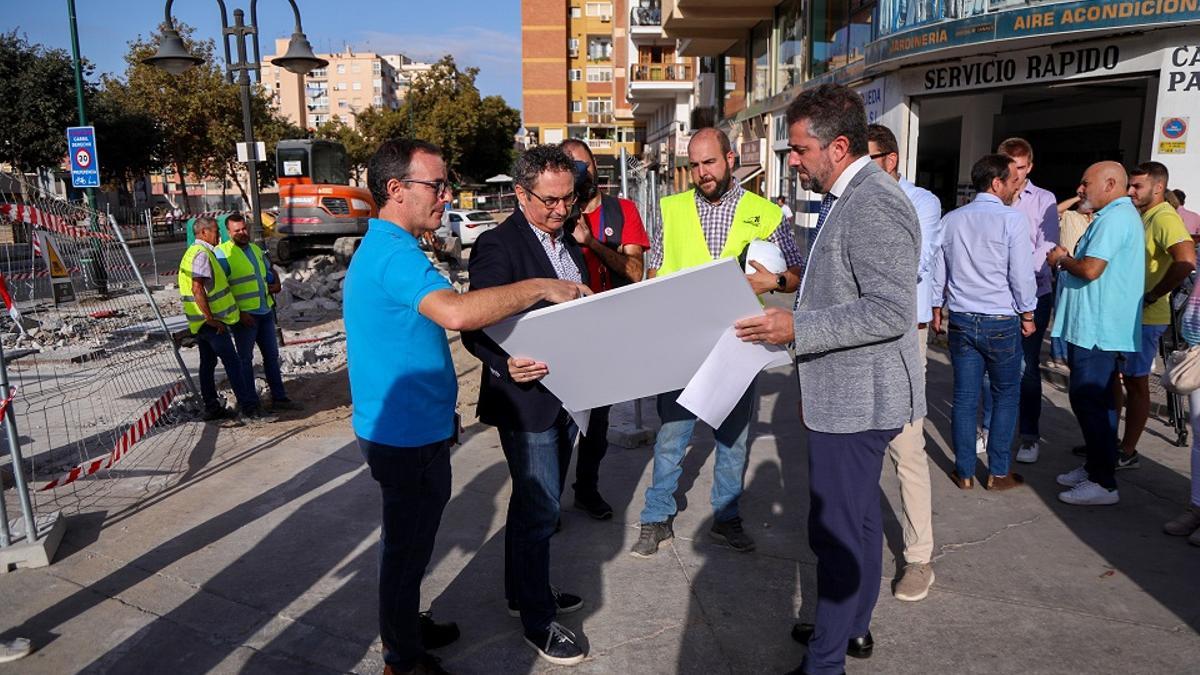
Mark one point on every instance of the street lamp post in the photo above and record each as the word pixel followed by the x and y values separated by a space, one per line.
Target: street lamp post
pixel 174 58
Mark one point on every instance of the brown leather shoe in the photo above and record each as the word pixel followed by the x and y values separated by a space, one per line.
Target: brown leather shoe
pixel 962 483
pixel 1012 480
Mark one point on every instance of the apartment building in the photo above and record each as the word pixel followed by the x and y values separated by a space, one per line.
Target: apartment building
pixel 352 81
pixel 575 67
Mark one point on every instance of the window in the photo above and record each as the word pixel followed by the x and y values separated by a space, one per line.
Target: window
pixel 378 100
pixel 318 72
pixel 599 106
pixel 573 46
pixel 341 69
pixel 377 67
pixel 354 68
pixel 790 52
pixel 576 13
pixel 599 48
pixel 601 9
pixel 760 57
pixel 357 86
pixel 840 32
pixel 343 104
pixel 599 74
pixel 576 106
pixel 574 75
pixel 340 86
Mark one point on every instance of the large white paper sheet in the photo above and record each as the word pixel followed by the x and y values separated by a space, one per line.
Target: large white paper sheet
pixel 725 375
pixel 636 341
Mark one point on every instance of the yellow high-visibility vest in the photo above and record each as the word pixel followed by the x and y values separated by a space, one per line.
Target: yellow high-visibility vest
pixel 684 245
pixel 220 299
pixel 248 289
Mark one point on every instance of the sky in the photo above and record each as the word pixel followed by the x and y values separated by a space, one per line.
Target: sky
pixel 481 33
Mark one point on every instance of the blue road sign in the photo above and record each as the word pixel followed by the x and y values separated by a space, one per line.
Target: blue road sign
pixel 85 165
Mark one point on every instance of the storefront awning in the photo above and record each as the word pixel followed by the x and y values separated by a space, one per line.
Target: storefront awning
pixel 742 174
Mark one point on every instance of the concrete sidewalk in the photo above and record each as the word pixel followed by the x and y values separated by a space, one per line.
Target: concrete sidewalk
pixel 264 560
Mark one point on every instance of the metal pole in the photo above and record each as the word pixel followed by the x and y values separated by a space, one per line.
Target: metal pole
pixel 98 272
pixel 14 448
pixel 242 31
pixel 150 238
pixel 187 376
pixel 624 173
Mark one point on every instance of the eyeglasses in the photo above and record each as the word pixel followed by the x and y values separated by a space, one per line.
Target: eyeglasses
pixel 878 155
pixel 440 187
pixel 553 202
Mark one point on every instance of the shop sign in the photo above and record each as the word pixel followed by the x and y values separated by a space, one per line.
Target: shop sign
pixel 1172 135
pixel 751 152
pixel 1042 18
pixel 1045 64
pixel 872 96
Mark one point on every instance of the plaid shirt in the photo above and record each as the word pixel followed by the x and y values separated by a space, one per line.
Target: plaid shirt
pixel 715 220
pixel 564 265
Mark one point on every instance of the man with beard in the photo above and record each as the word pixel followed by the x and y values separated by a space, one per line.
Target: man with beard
pixel 717 219
pixel 610 233
pixel 1101 289
pixel 536 432
pixel 254 287
pixel 857 357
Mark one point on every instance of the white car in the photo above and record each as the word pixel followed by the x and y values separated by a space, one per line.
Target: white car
pixel 467 225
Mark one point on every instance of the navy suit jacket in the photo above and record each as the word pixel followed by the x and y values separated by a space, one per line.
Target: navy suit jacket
pixel 509 253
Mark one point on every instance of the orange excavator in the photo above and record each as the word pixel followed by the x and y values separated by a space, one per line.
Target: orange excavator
pixel 319 211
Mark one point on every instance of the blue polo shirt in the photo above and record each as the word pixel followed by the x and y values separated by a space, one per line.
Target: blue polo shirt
pixel 402 382
pixel 1106 313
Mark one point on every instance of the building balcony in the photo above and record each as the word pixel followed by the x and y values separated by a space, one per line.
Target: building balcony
pixel 658 80
pixel 711 27
pixel 646 22
pixel 600 118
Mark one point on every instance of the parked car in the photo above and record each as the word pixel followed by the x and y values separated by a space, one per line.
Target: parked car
pixel 467 225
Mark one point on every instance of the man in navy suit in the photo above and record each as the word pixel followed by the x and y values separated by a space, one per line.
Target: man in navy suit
pixel 536 433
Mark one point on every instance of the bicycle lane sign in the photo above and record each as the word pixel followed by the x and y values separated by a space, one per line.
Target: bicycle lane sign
pixel 85 165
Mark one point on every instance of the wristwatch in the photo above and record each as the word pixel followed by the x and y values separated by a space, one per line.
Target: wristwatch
pixel 781 282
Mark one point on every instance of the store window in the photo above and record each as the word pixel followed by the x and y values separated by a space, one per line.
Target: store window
pixel 789 64
pixel 840 32
pixel 760 58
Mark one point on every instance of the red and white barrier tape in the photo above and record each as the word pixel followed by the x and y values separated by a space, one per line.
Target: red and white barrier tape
pixel 132 435
pixel 31 215
pixel 12 393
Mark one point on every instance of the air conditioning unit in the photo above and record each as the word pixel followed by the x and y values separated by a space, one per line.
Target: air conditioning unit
pixel 605 18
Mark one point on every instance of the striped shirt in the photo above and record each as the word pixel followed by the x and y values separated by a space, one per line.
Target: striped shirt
pixel 560 258
pixel 1190 321
pixel 715 220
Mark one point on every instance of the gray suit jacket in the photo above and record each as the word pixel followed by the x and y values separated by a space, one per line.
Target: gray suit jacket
pixel 856 336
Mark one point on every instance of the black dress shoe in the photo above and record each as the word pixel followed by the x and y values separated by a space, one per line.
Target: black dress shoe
pixel 594 505
pixel 857 647
pixel 434 634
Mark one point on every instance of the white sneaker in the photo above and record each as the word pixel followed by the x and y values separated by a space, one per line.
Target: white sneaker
pixel 1028 452
pixel 981 441
pixel 1073 477
pixel 1088 493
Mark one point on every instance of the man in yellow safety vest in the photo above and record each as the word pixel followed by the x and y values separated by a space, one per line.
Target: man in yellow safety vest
pixel 211 312
pixel 254 285
pixel 716 219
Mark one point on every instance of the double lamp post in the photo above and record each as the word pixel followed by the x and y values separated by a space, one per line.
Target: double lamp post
pixel 174 58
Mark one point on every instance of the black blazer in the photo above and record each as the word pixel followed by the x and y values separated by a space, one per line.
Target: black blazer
pixel 509 253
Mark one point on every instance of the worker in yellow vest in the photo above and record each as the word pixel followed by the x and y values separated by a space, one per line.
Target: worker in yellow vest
pixel 716 219
pixel 212 312
pixel 254 286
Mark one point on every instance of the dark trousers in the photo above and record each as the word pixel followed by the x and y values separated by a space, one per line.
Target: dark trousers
pixel 262 334
pixel 845 532
pixel 537 462
pixel 592 448
pixel 1093 373
pixel 215 346
pixel 416 486
pixel 1030 411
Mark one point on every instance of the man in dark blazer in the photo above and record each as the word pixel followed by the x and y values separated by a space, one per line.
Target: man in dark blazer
pixel 857 360
pixel 536 433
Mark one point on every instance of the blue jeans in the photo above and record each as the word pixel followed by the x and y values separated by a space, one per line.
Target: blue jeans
pixel 673 438
pixel 1093 373
pixel 214 346
pixel 1030 408
pixel 537 462
pixel 982 343
pixel 1058 348
pixel 262 333
pixel 416 486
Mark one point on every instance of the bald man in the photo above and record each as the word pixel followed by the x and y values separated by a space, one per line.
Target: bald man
pixel 1099 315
pixel 716 219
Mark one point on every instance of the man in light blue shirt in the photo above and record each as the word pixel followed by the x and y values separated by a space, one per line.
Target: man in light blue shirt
pixel 983 274
pixel 1100 291
pixel 907 449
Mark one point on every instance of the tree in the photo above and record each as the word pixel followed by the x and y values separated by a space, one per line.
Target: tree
pixel 476 134
pixel 37 88
pixel 130 141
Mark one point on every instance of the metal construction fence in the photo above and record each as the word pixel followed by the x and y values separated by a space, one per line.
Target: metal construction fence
pixel 88 362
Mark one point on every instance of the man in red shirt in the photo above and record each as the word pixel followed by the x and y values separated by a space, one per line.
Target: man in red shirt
pixel 613 239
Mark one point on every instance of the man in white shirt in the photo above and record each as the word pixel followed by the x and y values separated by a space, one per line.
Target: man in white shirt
pixel 907 450
pixel 789 216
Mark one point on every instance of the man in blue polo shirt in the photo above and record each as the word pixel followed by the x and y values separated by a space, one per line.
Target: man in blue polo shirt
pixel 1100 316
pixel 402 383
